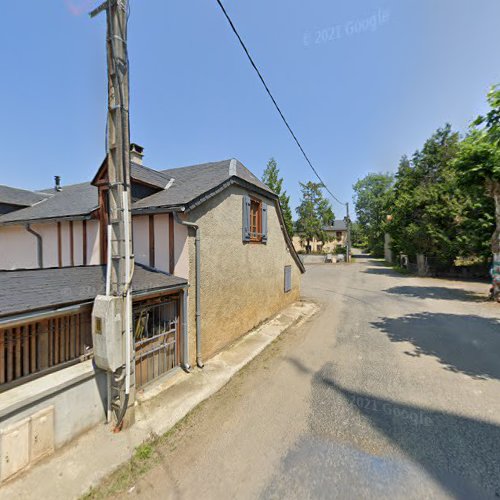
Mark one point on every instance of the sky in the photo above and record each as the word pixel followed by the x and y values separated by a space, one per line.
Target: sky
pixel 361 83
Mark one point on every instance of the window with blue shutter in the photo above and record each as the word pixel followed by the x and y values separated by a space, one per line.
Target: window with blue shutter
pixel 288 278
pixel 246 218
pixel 264 223
pixel 254 220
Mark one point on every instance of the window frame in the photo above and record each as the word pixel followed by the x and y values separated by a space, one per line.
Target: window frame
pixel 255 236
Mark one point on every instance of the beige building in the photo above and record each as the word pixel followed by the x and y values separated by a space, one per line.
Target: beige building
pixel 337 233
pixel 212 261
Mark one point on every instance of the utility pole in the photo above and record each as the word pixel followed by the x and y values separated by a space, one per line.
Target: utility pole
pixel 348 224
pixel 120 260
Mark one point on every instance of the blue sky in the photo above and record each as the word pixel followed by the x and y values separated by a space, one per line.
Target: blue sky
pixel 361 83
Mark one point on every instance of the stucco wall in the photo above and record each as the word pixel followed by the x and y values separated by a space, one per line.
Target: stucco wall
pixel 242 284
pixel 78 395
pixel 161 242
pixel 17 248
pixel 140 234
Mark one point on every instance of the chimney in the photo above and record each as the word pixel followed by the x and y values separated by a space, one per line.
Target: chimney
pixel 57 179
pixel 136 153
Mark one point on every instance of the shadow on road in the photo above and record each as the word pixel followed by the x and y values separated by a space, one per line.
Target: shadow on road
pixel 462 343
pixel 380 267
pixel 436 292
pixel 459 452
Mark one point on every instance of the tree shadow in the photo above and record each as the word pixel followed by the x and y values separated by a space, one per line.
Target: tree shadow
pixel 361 255
pixel 436 292
pixel 462 343
pixel 459 452
pixel 382 269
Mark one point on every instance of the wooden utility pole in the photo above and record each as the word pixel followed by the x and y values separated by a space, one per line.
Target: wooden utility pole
pixel 120 258
pixel 348 224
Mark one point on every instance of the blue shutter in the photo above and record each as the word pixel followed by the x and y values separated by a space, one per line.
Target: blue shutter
pixel 246 218
pixel 264 222
pixel 288 278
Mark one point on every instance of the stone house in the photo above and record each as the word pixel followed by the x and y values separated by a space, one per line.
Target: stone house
pixel 212 261
pixel 337 233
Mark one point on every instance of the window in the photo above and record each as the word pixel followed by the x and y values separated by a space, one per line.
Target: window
pixel 339 235
pixel 254 220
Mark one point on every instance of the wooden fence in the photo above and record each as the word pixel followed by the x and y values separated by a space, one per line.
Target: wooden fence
pixel 38 347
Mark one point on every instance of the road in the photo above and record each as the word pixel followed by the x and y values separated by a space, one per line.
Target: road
pixel 392 390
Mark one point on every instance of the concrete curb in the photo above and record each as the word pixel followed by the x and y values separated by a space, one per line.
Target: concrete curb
pixel 82 464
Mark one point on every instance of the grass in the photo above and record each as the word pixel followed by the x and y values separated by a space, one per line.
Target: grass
pixel 400 270
pixel 145 457
pixel 150 453
pixel 124 477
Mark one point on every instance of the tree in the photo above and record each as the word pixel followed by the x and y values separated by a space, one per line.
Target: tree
pixel 272 179
pixel 370 201
pixel 314 212
pixel 478 162
pixel 358 237
pixel 433 210
pixel 426 204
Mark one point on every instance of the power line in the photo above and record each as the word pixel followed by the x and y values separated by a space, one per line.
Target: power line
pixel 275 103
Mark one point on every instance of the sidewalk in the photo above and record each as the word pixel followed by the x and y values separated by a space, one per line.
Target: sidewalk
pixel 75 468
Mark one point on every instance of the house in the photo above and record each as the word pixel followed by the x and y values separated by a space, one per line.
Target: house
pixel 212 261
pixel 337 234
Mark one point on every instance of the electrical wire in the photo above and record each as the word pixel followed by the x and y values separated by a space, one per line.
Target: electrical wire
pixel 275 103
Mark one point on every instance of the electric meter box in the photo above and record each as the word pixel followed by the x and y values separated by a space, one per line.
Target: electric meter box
pixel 107 332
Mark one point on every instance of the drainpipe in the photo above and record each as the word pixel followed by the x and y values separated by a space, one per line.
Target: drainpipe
pixel 39 245
pixel 185 343
pixel 199 361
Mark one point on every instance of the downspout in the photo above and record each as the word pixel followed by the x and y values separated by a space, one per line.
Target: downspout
pixel 185 343
pixel 39 245
pixel 194 226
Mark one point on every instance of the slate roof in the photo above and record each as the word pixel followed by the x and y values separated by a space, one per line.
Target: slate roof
pixel 189 184
pixel 338 225
pixel 148 175
pixel 73 201
pixel 194 181
pixel 21 197
pixel 41 289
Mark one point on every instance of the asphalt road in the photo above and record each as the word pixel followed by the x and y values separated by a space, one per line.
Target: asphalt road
pixel 392 390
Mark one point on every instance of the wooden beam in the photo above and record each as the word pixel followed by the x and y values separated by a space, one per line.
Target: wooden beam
pixel 171 244
pixel 152 241
pixel 71 243
pixel 84 239
pixel 59 245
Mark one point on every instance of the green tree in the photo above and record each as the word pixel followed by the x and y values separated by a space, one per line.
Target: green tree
pixel 426 204
pixel 370 202
pixel 434 212
pixel 478 163
pixel 272 179
pixel 358 237
pixel 314 212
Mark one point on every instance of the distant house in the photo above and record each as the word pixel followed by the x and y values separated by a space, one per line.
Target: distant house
pixel 337 232
pixel 53 248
